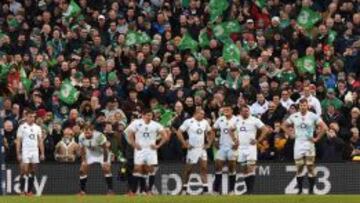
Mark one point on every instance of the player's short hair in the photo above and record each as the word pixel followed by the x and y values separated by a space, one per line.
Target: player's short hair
pixel 30 112
pixel 88 126
pixel 303 101
pixel 242 107
pixel 146 111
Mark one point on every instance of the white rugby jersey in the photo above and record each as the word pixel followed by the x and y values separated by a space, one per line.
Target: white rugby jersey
pixel 304 125
pixel 224 125
pixel 196 131
pixel 246 129
pixel 257 109
pixel 93 146
pixel 145 134
pixel 30 135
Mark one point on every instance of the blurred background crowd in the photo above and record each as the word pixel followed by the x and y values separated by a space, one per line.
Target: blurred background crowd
pixel 102 61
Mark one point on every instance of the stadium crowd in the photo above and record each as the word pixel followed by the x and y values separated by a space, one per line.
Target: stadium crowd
pixel 102 61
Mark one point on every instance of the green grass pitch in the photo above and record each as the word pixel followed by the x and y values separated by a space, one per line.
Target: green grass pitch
pixel 184 199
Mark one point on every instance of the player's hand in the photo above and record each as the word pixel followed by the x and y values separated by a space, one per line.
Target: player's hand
pixel 42 157
pixel 253 141
pixel 236 145
pixel 314 140
pixel 19 158
pixel 137 146
pixel 207 146
pixel 187 146
pixel 154 147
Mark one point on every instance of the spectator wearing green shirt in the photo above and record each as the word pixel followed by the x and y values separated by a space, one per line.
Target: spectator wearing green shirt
pixel 331 99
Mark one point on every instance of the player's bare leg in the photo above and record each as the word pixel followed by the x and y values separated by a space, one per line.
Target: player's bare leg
pixel 31 175
pixel 106 169
pixel 23 173
pixel 232 176
pixel 250 177
pixel 311 173
pixel 299 174
pixel 218 175
pixel 83 177
pixel 186 175
pixel 203 175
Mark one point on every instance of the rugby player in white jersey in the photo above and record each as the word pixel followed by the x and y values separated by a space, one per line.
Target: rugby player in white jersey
pixel 142 136
pixel 228 145
pixel 28 144
pixel 199 131
pixel 305 123
pixel 94 148
pixel 247 127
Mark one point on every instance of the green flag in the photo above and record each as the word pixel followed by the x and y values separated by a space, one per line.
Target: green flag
pixel 331 37
pixel 306 64
pixel 133 38
pixel 143 38
pixel 14 23
pixel 187 42
pixel 4 71
pixel 217 7
pixel 203 39
pixel 308 18
pixel 73 10
pixel 68 93
pixel 200 58
pixel 223 30
pixel 260 3
pixel 26 82
pixel 88 64
pixel 185 3
pixel 231 53
pixel 166 115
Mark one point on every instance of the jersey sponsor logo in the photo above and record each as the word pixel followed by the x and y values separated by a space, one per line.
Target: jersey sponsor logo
pixel 199 131
pixel 242 128
pixel 32 136
pixel 226 130
pixel 303 125
pixel 146 135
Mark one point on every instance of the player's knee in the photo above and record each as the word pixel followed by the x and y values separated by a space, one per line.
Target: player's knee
pixel 218 166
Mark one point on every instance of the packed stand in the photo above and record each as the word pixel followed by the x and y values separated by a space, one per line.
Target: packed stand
pixel 102 61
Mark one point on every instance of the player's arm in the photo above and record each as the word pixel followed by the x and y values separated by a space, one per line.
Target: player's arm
pixel 41 146
pixel 210 136
pixel 323 129
pixel 180 135
pixel 285 127
pixel 58 157
pixel 18 143
pixel 82 153
pixel 163 140
pixel 131 139
pixel 264 132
